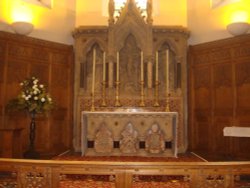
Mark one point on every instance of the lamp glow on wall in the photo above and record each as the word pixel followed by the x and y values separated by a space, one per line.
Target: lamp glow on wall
pixel 22 20
pixel 239 24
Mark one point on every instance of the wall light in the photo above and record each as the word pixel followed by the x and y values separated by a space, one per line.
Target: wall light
pixel 238 28
pixel 22 28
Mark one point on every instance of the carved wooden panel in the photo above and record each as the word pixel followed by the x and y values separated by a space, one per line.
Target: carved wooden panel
pixel 223 95
pixel 220 84
pixel 52 64
pixel 202 84
pixel 242 73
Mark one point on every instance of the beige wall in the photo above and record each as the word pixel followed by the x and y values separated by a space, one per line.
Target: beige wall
pixel 54 24
pixel 208 24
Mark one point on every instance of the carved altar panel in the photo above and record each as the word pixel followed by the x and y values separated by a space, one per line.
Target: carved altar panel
pixel 139 125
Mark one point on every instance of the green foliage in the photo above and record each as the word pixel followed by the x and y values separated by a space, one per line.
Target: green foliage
pixel 33 97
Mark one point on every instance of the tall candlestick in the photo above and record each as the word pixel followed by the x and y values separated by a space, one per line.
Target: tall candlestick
pixel 93 73
pixel 117 67
pixel 156 67
pixel 142 69
pixel 104 67
pixel 167 71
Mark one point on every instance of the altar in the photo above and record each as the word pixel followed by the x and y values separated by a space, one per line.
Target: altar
pixel 131 133
pixel 130 64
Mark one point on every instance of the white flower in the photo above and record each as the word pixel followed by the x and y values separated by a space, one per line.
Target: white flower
pixel 34 86
pixel 35 92
pixel 41 86
pixel 35 98
pixel 49 99
pixel 23 96
pixel 26 98
pixel 43 99
pixel 21 84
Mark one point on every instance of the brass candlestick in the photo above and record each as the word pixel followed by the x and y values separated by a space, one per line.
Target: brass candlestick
pixel 157 83
pixel 167 103
pixel 142 103
pixel 104 94
pixel 117 101
pixel 92 102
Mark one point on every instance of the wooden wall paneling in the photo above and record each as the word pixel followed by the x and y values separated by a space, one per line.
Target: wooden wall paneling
pixel 61 87
pixel 223 105
pixel 202 95
pixel 2 83
pixel 242 74
pixel 229 63
pixel 27 57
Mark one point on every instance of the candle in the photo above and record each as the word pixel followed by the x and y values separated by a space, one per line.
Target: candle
pixel 104 67
pixel 117 67
pixel 167 71
pixel 142 70
pixel 156 67
pixel 93 73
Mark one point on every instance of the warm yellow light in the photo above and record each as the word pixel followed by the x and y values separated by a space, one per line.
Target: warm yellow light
pixel 120 3
pixel 22 13
pixel 239 16
pixel 140 3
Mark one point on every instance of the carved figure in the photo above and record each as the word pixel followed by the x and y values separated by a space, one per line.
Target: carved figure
pixel 155 141
pixel 129 143
pixel 104 140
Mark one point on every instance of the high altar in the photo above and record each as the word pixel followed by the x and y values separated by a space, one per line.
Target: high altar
pixel 130 64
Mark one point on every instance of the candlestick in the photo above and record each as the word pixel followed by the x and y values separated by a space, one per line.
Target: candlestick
pixel 117 67
pixel 167 72
pixel 156 67
pixel 142 69
pixel 104 67
pixel 93 73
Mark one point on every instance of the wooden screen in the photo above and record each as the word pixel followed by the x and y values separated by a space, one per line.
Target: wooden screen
pixel 219 95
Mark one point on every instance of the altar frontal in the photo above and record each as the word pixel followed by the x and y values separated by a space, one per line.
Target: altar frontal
pixel 129 134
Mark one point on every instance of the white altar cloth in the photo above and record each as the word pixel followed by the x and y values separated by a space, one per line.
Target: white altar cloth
pixel 236 131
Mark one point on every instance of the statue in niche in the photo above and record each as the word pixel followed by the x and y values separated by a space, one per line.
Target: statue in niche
pixel 129 142
pixel 130 68
pixel 155 140
pixel 103 140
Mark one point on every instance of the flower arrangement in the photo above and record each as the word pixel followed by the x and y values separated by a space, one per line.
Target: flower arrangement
pixel 32 98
